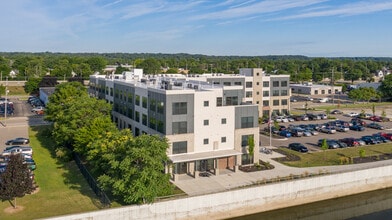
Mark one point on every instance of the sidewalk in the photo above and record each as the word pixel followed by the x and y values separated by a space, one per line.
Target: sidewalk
pixel 231 180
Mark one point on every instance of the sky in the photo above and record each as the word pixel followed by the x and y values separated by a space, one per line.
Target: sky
pixel 314 28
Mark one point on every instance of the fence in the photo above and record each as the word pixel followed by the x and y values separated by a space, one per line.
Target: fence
pixel 91 182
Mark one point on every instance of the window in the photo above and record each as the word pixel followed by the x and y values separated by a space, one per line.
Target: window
pixel 144 102
pixel 266 112
pixel 223 139
pixel 160 126
pixel 160 107
pixel 152 123
pixel 285 112
pixel 275 84
pixel 153 105
pixel 223 121
pixel 316 92
pixel 237 83
pixel 180 147
pixel 130 98
pixel 275 103
pixel 275 93
pixel 283 84
pixel 323 92
pixel 247 122
pixel 206 122
pixel 232 100
pixel 205 141
pixel 265 83
pixel 206 103
pixel 245 139
pixel 137 100
pixel 144 119
pixel 283 92
pixel 248 84
pixel 111 91
pixel 130 113
pixel 284 101
pixel 179 127
pixel 226 83
pixel 179 108
pixel 137 116
pixel 265 103
pixel 265 93
pixel 248 94
pixel 219 101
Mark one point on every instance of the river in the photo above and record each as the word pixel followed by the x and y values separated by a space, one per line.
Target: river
pixel 372 205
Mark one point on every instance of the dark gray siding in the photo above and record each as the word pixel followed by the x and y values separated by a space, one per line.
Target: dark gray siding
pixel 246 111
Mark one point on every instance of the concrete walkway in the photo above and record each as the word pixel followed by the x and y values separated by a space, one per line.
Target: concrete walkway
pixel 231 180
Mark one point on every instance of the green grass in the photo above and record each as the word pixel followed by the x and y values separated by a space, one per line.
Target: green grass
pixel 334 156
pixel 62 188
pixel 16 90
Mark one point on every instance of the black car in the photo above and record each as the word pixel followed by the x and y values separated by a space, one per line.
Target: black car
pixel 19 140
pixel 336 112
pixel 375 126
pixel 357 127
pixel 369 140
pixel 298 147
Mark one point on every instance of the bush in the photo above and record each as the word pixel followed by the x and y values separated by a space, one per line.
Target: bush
pixel 63 154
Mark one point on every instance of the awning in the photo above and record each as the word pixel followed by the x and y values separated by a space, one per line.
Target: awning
pixel 203 155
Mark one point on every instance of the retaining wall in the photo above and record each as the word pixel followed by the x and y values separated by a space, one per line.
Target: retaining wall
pixel 253 199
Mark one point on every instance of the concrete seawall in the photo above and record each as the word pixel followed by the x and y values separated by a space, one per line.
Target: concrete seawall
pixel 254 199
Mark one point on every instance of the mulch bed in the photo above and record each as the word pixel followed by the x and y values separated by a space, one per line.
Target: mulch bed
pixel 261 166
pixel 368 159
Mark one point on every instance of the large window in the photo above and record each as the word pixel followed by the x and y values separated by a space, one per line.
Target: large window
pixel 265 83
pixel 153 105
pixel 130 98
pixel 205 141
pixel 179 108
pixel 275 84
pixel 144 119
pixel 275 103
pixel 283 83
pixel 265 93
pixel 179 127
pixel 223 139
pixel 160 126
pixel 284 101
pixel 219 101
pixel 248 84
pixel 180 147
pixel 247 122
pixel 206 103
pixel 144 102
pixel 245 139
pixel 265 103
pixel 137 116
pixel 248 94
pixel 160 107
pixel 152 123
pixel 237 83
pixel 223 121
pixel 137 100
pixel 232 100
pixel 283 92
pixel 227 83
pixel 275 93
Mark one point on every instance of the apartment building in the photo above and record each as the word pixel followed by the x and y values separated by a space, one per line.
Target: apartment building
pixel 208 125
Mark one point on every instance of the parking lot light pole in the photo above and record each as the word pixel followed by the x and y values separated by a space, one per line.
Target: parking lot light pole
pixel 6 101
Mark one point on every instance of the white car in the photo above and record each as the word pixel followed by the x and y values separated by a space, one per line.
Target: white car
pixel 38 108
pixel 351 114
pixel 281 119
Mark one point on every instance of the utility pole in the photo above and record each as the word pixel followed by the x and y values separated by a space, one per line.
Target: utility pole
pixel 6 102
pixel 333 87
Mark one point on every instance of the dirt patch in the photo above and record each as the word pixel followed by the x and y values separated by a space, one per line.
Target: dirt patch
pixel 369 159
pixel 11 210
pixel 257 167
pixel 288 156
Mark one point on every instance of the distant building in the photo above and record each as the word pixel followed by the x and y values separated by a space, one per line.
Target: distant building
pixel 314 89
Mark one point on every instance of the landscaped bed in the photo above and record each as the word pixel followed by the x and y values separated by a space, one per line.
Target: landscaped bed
pixel 262 165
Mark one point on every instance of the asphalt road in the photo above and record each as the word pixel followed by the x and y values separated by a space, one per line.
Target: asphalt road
pixel 311 142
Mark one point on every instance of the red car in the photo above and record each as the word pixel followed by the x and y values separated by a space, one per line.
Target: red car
pixel 386 135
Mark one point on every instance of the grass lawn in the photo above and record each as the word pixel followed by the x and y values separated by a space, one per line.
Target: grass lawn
pixel 62 188
pixel 16 90
pixel 335 156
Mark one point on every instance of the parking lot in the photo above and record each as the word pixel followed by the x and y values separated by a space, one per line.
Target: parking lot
pixel 311 141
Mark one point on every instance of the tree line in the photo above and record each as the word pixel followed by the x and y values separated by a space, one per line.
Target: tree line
pixel 300 68
pixel 130 168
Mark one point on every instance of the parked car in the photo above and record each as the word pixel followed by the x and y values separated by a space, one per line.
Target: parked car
pixel 328 130
pixel 290 119
pixel 351 114
pixel 296 132
pixel 381 139
pixel 332 144
pixel 357 120
pixel 386 135
pixel 313 132
pixel 18 140
pixel 38 108
pixel 342 128
pixel 285 133
pixel 336 112
pixel 368 139
pixel 298 147
pixel 351 142
pixel 341 144
pixel 281 119
pixel 323 116
pixel 18 150
pixel 375 126
pixel 360 142
pixel 313 116
pixel 357 127
pixel 307 133
pixel 30 164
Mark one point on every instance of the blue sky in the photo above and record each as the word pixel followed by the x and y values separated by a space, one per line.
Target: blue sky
pixel 328 28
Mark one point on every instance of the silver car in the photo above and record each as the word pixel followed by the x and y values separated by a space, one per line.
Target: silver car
pixel 328 130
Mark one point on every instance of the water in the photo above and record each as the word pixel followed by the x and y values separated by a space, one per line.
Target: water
pixel 372 205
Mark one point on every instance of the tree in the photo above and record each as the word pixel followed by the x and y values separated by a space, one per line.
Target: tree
pixel 32 85
pixel 150 66
pixel 97 63
pixel 324 147
pixel 364 93
pixel 251 147
pixel 48 81
pixel 15 181
pixel 2 90
pixel 386 86
pixel 135 168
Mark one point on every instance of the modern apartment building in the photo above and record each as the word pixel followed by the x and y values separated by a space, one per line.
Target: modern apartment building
pixel 208 125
